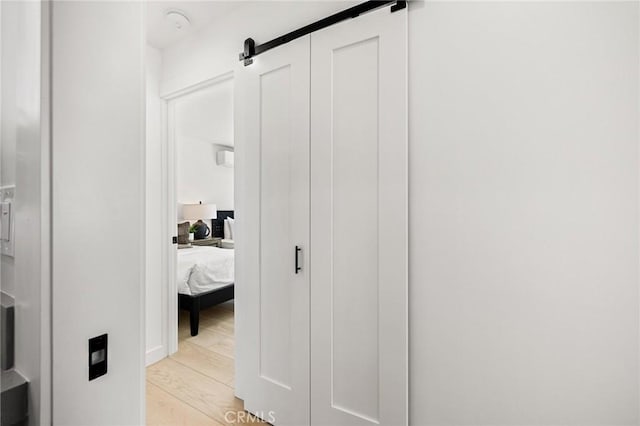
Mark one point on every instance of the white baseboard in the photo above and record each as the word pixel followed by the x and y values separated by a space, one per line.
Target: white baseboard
pixel 156 354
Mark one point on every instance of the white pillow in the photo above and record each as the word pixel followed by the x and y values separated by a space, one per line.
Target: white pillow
pixel 227 230
pixel 232 224
pixel 226 244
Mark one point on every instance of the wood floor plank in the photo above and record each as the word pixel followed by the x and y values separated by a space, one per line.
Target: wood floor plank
pixel 215 341
pixel 184 332
pixel 217 312
pixel 228 305
pixel 224 326
pixel 195 385
pixel 163 409
pixel 207 395
pixel 205 361
pixel 222 323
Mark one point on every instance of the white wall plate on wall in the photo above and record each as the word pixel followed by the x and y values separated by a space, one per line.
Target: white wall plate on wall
pixel 7 220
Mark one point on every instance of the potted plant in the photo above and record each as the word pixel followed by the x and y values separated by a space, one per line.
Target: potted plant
pixel 192 230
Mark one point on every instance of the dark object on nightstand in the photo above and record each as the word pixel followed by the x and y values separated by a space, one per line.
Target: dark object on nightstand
pixel 202 230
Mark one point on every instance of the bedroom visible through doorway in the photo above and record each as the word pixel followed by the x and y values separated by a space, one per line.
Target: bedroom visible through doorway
pixel 191 379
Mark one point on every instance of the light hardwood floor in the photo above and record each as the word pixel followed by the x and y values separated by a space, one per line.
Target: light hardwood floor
pixel 195 385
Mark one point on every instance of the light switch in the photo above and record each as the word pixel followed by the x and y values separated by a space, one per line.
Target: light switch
pixel 97 356
pixel 5 219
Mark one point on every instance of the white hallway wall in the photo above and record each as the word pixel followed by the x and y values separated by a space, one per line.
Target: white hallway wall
pixel 524 213
pixel 98 190
pixel 523 202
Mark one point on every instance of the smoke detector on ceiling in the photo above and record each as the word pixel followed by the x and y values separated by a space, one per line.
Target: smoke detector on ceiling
pixel 178 19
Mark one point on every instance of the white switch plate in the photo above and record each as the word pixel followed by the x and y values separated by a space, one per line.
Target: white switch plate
pixel 7 195
pixel 5 221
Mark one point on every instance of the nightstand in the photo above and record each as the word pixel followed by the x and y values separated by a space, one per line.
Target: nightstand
pixel 212 242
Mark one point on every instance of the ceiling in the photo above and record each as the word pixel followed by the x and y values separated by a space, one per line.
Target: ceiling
pixel 161 32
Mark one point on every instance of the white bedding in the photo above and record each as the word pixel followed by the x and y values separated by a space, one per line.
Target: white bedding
pixel 202 269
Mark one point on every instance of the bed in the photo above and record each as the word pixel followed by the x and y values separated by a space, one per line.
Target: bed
pixel 205 275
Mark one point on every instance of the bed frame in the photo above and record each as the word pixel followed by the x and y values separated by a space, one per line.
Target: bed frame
pixel 194 304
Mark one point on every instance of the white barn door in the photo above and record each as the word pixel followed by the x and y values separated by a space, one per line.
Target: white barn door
pixel 359 221
pixel 274 132
pixel 323 134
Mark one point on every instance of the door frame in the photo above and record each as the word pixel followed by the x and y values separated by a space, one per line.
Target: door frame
pixel 169 200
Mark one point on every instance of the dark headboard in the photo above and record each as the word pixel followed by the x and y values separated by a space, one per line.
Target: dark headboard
pixel 218 224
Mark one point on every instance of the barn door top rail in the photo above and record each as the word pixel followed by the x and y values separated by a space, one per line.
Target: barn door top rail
pixel 251 49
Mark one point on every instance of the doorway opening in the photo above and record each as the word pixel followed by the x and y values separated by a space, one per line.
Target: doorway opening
pixel 190 315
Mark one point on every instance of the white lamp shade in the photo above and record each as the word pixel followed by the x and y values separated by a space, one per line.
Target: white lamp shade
pixel 199 211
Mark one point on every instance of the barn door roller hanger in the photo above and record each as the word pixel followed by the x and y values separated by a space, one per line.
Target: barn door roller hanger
pixel 251 49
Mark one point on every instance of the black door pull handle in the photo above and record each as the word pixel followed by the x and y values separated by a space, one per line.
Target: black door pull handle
pixel 298 250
